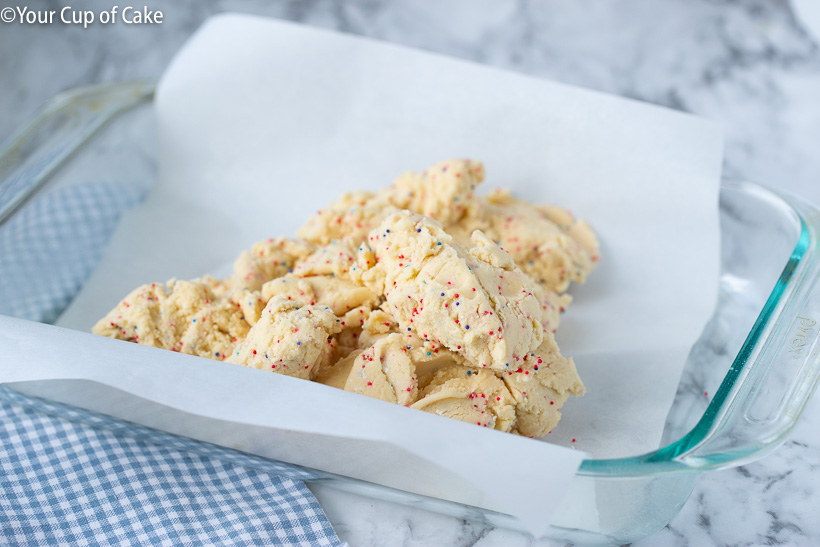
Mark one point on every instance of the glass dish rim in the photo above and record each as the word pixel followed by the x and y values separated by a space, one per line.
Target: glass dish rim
pixel 691 440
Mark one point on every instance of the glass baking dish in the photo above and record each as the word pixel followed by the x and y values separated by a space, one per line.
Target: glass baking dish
pixel 745 384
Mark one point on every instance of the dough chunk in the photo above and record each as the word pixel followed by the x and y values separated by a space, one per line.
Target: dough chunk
pixel 250 303
pixel 382 371
pixel 268 260
pixel 546 242
pixel 553 306
pixel 340 295
pixel 390 367
pixel 184 316
pixel 540 383
pixel 474 302
pixel 334 258
pixel 427 356
pixel 471 395
pixel 353 216
pixel 445 191
pixel 290 338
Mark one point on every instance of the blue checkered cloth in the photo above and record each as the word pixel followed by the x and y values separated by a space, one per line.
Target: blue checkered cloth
pixel 49 248
pixel 72 477
pixel 79 478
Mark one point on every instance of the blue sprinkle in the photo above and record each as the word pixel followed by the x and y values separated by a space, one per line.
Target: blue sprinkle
pixel 217 354
pixel 290 271
pixel 298 343
pixel 439 243
pixel 408 329
pixel 194 320
pixel 507 365
pixel 458 304
pixel 467 327
pixel 442 294
pixel 266 356
pixel 135 328
pixel 388 231
pixel 469 372
pixel 418 230
pixel 428 353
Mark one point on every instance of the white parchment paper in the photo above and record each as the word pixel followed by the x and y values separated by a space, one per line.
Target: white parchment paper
pixel 262 122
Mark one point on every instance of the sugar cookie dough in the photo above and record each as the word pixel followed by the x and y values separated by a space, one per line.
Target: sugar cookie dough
pixel 268 260
pixel 184 316
pixel 382 371
pixel 540 385
pixel 548 244
pixel 470 395
pixel 423 294
pixel 290 338
pixel 475 302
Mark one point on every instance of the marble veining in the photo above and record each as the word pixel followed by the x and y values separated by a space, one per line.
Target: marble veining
pixel 747 65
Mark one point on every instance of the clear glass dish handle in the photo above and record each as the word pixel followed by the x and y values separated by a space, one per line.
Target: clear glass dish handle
pixel 769 384
pixel 29 156
pixel 778 368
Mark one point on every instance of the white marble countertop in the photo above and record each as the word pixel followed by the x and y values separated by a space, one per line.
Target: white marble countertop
pixel 747 65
